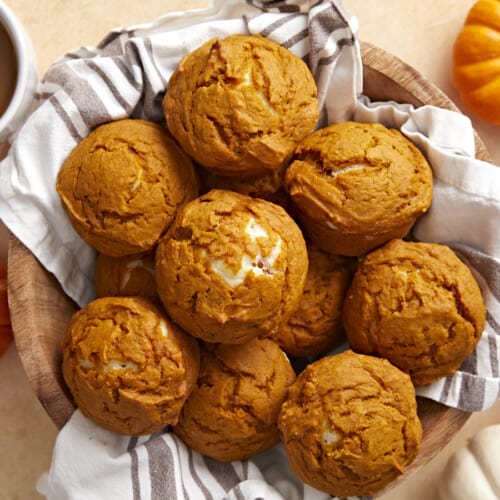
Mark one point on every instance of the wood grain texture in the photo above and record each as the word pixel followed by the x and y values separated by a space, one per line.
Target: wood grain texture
pixel 385 77
pixel 40 311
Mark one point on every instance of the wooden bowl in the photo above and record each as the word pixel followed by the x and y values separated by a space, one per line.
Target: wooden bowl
pixel 40 311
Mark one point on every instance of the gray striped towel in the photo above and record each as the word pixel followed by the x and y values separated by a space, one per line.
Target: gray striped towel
pixel 91 463
pixel 126 75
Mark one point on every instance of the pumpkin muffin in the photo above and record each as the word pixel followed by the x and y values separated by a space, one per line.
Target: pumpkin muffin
pixel 231 413
pixel 268 186
pixel 122 185
pixel 239 105
pixel 416 304
pixel 358 185
pixel 316 326
pixel 349 424
pixel 231 267
pixel 127 366
pixel 129 276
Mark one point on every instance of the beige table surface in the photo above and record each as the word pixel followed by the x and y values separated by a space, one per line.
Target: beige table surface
pixel 421 32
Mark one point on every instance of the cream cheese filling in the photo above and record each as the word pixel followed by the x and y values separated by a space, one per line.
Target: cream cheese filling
pixel 115 365
pixel 162 325
pixel 258 265
pixel 134 264
pixel 349 168
pixel 138 180
pixel 247 82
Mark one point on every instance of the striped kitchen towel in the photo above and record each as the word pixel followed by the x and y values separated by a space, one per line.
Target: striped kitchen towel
pixel 126 76
pixel 90 463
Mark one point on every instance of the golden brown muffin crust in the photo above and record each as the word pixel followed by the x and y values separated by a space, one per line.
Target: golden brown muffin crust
pixel 239 105
pixel 122 185
pixel 231 414
pixel 316 325
pixel 231 267
pixel 127 366
pixel 268 186
pixel 349 424
pixel 358 185
pixel 130 276
pixel 416 304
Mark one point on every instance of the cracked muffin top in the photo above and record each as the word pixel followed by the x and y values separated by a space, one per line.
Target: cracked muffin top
pixel 349 424
pixel 316 325
pixel 239 105
pixel 130 276
pixel 127 365
pixel 231 267
pixel 358 185
pixel 416 304
pixel 231 413
pixel 122 185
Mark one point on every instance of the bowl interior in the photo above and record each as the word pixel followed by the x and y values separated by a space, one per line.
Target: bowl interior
pixel 40 311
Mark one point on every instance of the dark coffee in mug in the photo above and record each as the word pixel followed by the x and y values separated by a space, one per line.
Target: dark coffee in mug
pixel 8 69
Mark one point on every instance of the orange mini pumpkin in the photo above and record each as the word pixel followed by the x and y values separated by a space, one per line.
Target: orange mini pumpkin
pixel 476 61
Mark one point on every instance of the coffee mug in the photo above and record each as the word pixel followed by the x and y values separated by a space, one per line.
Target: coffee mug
pixel 18 75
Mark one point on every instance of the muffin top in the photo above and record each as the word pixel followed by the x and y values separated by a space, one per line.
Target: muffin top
pixel 127 365
pixel 122 185
pixel 231 267
pixel 416 304
pixel 239 105
pixel 231 413
pixel 360 181
pixel 316 325
pixel 349 424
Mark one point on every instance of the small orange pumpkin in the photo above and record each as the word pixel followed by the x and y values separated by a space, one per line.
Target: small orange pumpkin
pixel 476 61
